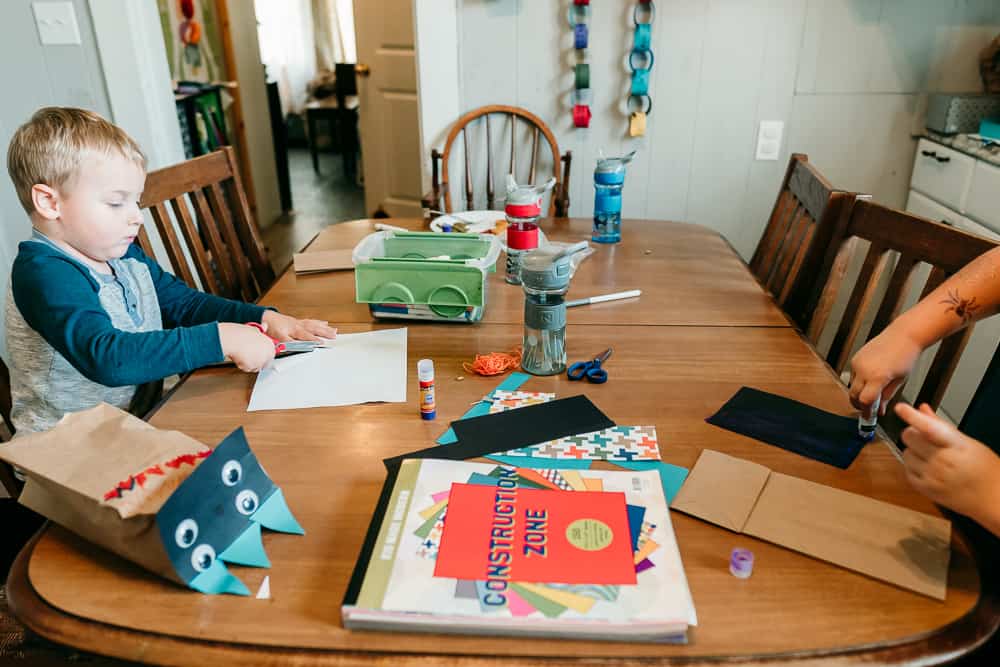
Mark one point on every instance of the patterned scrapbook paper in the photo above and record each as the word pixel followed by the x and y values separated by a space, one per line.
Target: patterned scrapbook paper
pixel 619 443
pixel 510 400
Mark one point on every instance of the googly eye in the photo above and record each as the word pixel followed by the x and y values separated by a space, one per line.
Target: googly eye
pixel 246 502
pixel 202 557
pixel 186 533
pixel 232 472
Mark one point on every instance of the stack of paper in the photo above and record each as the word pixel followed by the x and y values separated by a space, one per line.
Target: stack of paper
pixel 475 547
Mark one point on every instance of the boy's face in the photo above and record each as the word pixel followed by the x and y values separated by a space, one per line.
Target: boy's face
pixel 98 215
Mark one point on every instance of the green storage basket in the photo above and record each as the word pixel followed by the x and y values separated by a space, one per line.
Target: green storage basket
pixel 424 275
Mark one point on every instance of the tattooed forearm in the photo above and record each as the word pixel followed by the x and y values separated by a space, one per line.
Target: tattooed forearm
pixel 965 309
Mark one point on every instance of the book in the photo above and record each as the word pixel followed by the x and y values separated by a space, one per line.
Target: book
pixel 480 548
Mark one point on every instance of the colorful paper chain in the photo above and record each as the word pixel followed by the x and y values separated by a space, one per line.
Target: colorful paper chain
pixel 639 104
pixel 578 16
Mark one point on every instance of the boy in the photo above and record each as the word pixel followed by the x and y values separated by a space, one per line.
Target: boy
pixel 89 316
pixel 944 464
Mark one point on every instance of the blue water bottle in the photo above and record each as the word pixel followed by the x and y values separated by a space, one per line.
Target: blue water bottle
pixel 609 178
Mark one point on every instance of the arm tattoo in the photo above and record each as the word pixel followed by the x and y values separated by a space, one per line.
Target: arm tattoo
pixel 964 308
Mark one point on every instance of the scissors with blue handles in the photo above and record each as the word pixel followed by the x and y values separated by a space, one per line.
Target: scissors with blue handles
pixel 591 370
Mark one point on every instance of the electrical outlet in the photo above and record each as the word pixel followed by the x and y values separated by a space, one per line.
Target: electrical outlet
pixel 769 139
pixel 56 22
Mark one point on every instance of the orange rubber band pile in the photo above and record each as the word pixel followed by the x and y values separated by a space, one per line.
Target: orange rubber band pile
pixel 494 363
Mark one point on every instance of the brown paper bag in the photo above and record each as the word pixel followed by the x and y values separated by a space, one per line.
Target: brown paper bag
pixel 104 474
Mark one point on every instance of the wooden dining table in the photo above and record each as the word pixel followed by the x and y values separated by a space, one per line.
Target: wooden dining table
pixel 702 329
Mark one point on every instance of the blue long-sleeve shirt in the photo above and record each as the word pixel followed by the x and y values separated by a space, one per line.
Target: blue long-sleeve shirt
pixel 76 337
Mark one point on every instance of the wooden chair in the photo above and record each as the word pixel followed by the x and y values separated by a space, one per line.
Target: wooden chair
pixel 235 263
pixel 797 234
pixel 899 242
pixel 439 198
pixel 11 483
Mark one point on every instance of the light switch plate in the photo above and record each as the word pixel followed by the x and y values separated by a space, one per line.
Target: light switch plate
pixel 56 22
pixel 769 139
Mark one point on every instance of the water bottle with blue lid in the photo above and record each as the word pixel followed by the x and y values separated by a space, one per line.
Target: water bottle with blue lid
pixel 609 178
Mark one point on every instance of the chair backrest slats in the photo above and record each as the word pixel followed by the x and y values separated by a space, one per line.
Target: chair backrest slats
pixel 218 202
pixel 800 223
pixel 198 255
pixel 221 238
pixel 913 241
pixel 861 298
pixel 792 249
pixel 144 242
pixel 172 243
pixel 490 194
pixel 224 264
pixel 895 294
pixel 537 133
pixel 534 155
pixel 513 143
pixel 468 169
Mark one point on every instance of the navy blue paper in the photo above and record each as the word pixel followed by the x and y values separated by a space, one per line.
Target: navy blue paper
pixel 791 425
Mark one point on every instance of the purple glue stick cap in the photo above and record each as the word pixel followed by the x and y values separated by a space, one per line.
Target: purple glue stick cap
pixel 741 563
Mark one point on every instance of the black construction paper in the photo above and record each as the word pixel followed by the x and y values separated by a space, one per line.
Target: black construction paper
pixel 791 425
pixel 489 434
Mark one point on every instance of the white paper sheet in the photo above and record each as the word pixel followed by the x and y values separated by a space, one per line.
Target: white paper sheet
pixel 356 368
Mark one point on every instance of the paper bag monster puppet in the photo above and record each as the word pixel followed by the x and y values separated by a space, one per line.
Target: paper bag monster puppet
pixel 158 498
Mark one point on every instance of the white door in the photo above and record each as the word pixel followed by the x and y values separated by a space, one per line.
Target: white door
pixel 388 110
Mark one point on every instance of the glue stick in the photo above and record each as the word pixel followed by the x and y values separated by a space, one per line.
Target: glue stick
pixel 425 373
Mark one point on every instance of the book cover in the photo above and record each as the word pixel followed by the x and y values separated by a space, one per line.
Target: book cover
pixel 611 568
pixel 503 533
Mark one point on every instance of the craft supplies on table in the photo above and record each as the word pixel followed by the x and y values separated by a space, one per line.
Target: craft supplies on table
pixel 741 563
pixel 604 297
pixel 425 376
pixel 591 370
pixel 545 275
pixel 609 179
pixel 524 206
pixel 406 274
pixel 611 569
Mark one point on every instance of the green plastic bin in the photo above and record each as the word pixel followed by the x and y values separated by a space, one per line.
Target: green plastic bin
pixel 424 275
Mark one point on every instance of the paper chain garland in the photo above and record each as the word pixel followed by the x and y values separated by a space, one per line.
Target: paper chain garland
pixel 638 104
pixel 578 17
pixel 640 60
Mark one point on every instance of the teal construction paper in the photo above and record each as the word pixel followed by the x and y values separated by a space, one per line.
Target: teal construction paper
pixel 217 579
pixel 274 514
pixel 539 462
pixel 671 476
pixel 511 383
pixel 247 549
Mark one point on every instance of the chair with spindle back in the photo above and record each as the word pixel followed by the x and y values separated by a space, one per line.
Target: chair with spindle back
pixel 797 234
pixel 235 263
pixel 899 242
pixel 440 196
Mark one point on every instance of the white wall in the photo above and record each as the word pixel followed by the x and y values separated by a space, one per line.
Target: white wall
pixel 35 76
pixel 256 113
pixel 844 75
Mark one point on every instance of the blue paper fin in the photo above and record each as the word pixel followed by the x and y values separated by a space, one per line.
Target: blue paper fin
pixel 217 579
pixel 274 514
pixel 247 549
pixel 513 381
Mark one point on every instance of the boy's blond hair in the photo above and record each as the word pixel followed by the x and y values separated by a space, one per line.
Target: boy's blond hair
pixel 50 147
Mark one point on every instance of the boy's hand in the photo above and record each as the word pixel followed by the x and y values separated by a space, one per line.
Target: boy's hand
pixel 245 346
pixel 949 467
pixel 283 327
pixel 880 368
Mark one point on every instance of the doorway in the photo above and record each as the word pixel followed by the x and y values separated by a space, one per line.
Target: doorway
pixel 308 50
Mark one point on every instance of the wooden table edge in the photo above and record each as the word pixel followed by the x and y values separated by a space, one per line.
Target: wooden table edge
pixel 948 643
